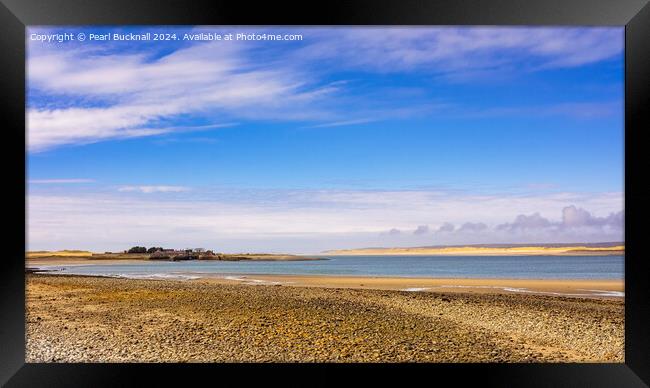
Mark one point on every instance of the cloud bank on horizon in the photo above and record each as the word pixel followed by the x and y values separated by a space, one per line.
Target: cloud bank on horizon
pixel 308 221
pixel 346 138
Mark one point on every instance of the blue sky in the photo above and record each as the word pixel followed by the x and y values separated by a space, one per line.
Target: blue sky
pixel 350 137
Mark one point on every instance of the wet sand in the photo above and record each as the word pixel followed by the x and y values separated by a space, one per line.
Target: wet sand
pixel 92 319
pixel 562 287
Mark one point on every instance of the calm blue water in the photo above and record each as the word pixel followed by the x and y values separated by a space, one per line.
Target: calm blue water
pixel 525 267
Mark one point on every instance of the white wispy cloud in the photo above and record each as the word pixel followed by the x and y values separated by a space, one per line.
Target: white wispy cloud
pixel 465 52
pixel 342 123
pixel 584 110
pixel 154 189
pixel 138 96
pixel 126 95
pixel 57 181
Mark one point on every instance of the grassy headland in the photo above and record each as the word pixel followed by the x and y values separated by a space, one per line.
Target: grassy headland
pixel 80 257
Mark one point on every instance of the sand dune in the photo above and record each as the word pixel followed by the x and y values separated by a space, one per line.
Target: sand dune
pixel 63 253
pixel 489 250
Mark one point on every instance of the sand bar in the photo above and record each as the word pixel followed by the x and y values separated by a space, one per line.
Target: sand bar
pixel 561 287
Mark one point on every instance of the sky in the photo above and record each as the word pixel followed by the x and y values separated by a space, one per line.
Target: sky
pixel 331 138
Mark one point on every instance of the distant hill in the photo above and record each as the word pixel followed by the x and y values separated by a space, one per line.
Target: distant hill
pixel 559 249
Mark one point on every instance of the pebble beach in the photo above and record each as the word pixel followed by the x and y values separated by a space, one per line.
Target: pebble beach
pixel 95 319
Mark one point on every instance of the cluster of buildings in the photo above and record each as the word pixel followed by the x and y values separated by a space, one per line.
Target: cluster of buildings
pixel 185 254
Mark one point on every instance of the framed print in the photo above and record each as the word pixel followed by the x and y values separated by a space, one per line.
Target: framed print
pixel 381 188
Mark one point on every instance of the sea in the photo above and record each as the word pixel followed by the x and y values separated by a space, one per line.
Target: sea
pixel 512 267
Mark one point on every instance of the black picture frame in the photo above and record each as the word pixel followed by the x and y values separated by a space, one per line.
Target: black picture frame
pixel 15 15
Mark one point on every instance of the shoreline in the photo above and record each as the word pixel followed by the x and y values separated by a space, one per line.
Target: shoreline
pixel 585 288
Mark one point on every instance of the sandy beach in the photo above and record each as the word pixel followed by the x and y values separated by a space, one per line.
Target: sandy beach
pixel 93 319
pixel 562 287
